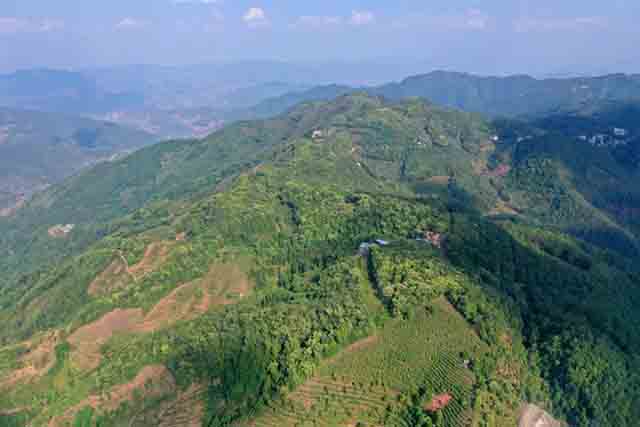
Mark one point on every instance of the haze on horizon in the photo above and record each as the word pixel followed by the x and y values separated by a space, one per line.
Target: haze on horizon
pixel 543 37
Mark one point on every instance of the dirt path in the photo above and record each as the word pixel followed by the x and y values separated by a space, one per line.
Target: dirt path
pixel 357 346
pixel 119 274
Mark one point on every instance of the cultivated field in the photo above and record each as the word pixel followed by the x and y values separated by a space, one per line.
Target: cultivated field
pixel 363 384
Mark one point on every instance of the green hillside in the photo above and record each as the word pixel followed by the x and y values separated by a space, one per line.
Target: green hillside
pixel 572 171
pixel 41 149
pixel 223 282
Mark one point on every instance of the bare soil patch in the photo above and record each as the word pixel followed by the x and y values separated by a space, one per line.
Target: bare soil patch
pixel 534 416
pixel 10 211
pixel 88 340
pixel 224 284
pixel 184 303
pixel 480 168
pixel 116 276
pixel 503 208
pixel 151 382
pixel 36 362
pixel 439 179
pixel 153 258
pixel 13 411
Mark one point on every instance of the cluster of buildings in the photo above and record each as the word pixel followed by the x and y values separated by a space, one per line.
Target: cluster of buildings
pixel 430 237
pixel 616 138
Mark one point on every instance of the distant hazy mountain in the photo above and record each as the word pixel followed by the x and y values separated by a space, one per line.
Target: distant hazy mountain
pixel 200 86
pixel 167 103
pixel 61 91
pixel 221 86
pixel 39 149
pixel 495 96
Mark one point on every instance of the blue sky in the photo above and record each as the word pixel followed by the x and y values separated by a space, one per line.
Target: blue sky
pixel 488 36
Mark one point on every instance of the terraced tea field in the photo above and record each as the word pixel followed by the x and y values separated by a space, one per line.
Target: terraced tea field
pixel 362 384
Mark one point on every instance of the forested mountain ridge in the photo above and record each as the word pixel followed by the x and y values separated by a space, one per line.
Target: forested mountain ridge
pixel 511 96
pixel 225 283
pixel 514 95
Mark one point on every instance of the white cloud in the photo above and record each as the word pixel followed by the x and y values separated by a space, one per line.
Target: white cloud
pixel 319 22
pixel 357 18
pixel 256 17
pixel 362 17
pixel 130 23
pixel 469 20
pixel 527 25
pixel 12 25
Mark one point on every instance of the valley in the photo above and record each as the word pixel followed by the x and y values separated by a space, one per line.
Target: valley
pixel 38 150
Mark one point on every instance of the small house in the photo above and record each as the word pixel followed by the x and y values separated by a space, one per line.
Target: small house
pixel 619 132
pixel 317 134
pixel 61 230
pixel 382 242
pixel 438 402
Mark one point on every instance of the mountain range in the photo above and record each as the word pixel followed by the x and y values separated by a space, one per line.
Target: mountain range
pixel 363 260
pixel 512 96
pixel 449 250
